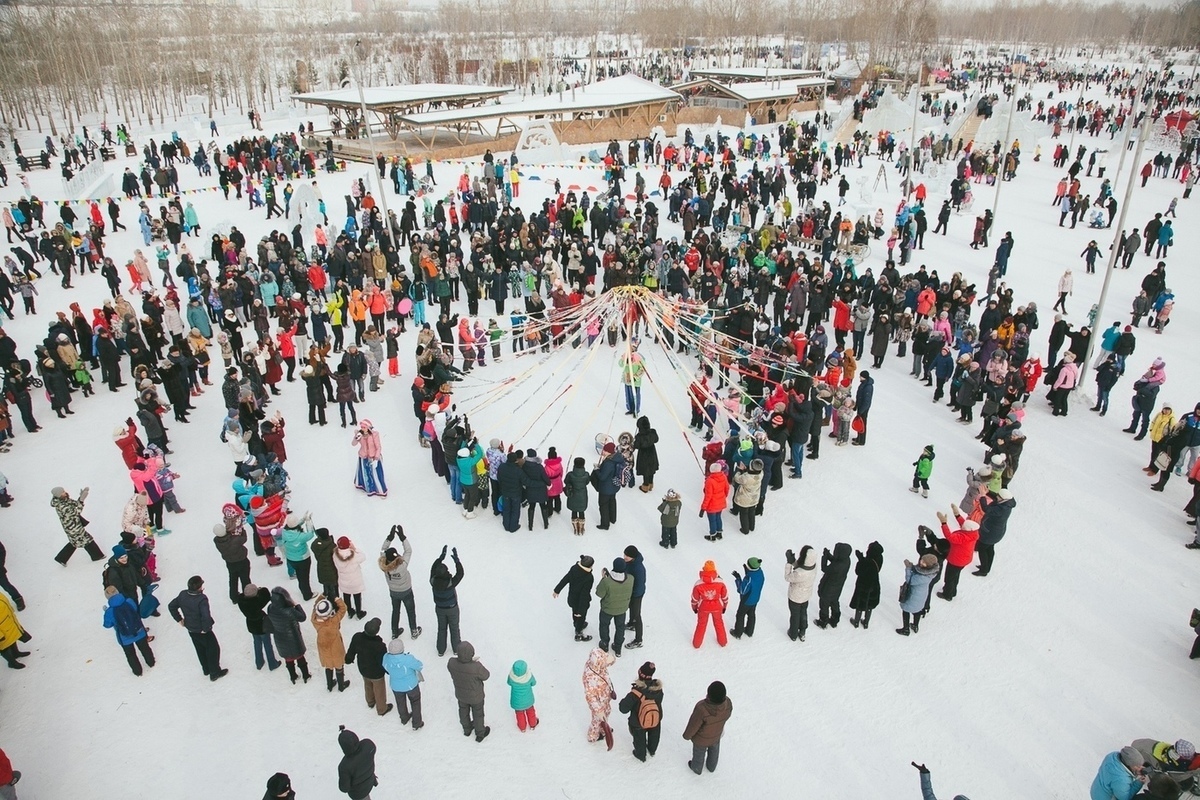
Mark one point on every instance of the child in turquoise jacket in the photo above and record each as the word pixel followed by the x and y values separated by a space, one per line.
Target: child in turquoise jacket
pixel 521 683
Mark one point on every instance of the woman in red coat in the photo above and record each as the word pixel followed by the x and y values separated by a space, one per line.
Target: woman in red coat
pixel 962 550
pixel 130 445
pixel 716 488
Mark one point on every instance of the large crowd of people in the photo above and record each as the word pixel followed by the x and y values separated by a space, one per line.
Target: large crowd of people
pixel 761 298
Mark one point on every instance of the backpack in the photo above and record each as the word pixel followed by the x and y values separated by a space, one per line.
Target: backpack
pixel 649 715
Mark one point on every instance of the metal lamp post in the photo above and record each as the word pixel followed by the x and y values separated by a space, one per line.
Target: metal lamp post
pixel 362 103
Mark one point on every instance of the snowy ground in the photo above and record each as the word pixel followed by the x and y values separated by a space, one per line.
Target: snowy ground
pixel 1075 645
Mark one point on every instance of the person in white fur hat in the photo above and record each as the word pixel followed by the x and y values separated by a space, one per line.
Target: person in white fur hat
pixel 962 550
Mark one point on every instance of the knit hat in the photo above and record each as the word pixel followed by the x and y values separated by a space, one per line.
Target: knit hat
pixel 754 563
pixel 647 670
pixel 396 646
pixel 294 520
pixel 57 491
pixel 372 627
pixel 586 562
pixel 464 452
pixel 118 550
pixel 970 525
pixel 983 472
pixel 716 692
pixel 610 448
pixel 1004 494
pixel 343 543
pixel 323 608
pixel 632 551
pixel 494 443
pixel 618 565
pixel 1132 757
pixel 999 459
pixel 672 494
pixel 220 530
pixel 709 567
pixel 250 591
pixel 1185 750
pixel 714 467
pixel 531 453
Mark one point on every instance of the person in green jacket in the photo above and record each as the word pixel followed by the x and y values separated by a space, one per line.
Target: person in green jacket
pixel 575 486
pixel 924 468
pixel 615 591
pixel 297 533
pixel 669 511
pixel 520 695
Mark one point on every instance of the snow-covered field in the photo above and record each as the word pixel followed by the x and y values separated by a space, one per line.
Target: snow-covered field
pixel 1076 644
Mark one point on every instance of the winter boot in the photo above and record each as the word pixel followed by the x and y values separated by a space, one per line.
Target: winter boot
pixel 924 493
pixel 902 631
pixel 291 668
pixel 303 664
pixel 913 489
pixel 329 681
pixel 342 683
pixel 857 618
pixel 580 636
pixel 416 631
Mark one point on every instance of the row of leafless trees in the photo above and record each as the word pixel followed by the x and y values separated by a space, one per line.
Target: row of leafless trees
pixel 143 63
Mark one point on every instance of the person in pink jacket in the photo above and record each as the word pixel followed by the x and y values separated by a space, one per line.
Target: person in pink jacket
pixel 554 473
pixel 942 324
pixel 369 475
pixel 1064 382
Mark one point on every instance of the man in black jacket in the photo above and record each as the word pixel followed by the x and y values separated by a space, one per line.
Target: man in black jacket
pixel 445 599
pixel 190 609
pixel 511 481
pixel 579 579
pixel 862 403
pixel 232 547
pixel 369 649
pixel 356 771
pixel 800 413
pixel 643 704
pixel 253 603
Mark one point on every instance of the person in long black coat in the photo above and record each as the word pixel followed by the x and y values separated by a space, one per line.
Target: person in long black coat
pixel 285 618
pixel 835 567
pixel 646 453
pixel 57 387
pixel 537 488
pixel 866 584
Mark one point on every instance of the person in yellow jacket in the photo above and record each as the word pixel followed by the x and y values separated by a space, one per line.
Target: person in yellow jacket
pixel 11 634
pixel 1161 426
pixel 514 177
pixel 333 307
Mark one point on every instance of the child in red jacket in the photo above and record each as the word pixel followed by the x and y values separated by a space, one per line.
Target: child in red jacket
pixel 710 598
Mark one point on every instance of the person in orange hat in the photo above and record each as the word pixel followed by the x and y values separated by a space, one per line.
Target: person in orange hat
pixel 710 598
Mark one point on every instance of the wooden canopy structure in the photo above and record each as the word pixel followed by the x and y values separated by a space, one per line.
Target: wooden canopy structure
pixel 731 75
pixel 625 106
pixel 757 98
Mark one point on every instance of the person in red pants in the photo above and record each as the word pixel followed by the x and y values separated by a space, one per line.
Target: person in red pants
pixel 710 598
